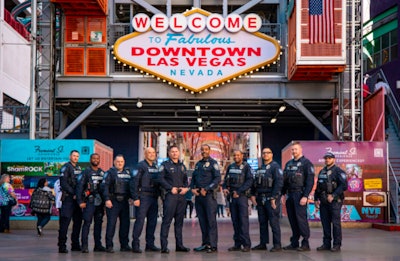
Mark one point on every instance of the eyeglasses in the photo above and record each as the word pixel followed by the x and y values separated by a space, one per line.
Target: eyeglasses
pixel 267 152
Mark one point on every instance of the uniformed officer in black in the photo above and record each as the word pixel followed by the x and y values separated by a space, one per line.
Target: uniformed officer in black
pixel 298 182
pixel 205 180
pixel 70 208
pixel 116 195
pixel 237 185
pixel 174 181
pixel 267 187
pixel 145 189
pixel 329 198
pixel 88 196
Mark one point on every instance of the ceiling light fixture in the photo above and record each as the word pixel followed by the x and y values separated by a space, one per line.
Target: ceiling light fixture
pixel 197 108
pixel 273 120
pixel 139 104
pixel 124 119
pixel 199 119
pixel 200 128
pixel 282 108
pixel 112 107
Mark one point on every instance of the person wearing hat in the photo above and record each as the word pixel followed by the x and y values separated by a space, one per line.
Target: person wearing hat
pixel 329 198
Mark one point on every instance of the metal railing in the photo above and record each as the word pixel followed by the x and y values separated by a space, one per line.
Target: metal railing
pixel 394 194
pixel 393 105
pixel 14 119
pixel 394 110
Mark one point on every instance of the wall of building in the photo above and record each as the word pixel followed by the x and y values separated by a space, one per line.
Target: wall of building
pixel 377 7
pixel 14 64
pixel 391 68
pixel 122 140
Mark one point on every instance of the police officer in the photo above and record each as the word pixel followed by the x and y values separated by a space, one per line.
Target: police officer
pixel 298 182
pixel 267 187
pixel 116 195
pixel 205 180
pixel 88 196
pixel 173 179
pixel 237 185
pixel 329 199
pixel 145 189
pixel 70 209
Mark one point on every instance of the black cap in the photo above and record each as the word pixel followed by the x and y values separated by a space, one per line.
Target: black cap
pixel 329 155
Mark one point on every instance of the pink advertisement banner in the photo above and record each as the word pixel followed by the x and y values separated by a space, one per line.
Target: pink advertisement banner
pixel 365 165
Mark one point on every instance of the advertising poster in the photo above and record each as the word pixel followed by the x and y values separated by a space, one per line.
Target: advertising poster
pixel 365 165
pixel 26 161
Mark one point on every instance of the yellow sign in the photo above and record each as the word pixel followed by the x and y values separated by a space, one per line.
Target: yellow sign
pixel 373 183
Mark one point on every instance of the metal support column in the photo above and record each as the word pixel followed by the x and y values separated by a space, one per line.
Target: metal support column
pixel 42 121
pixel 350 96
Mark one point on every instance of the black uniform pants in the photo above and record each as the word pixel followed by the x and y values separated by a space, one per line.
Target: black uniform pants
pixel 297 215
pixel 174 208
pixel 240 219
pixel 96 213
pixel 119 210
pixel 148 209
pixel 330 219
pixel 266 214
pixel 206 209
pixel 70 210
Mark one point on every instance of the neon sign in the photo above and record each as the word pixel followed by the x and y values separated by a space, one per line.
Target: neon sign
pixel 196 51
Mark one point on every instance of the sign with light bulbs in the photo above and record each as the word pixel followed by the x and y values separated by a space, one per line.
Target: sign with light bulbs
pixel 196 51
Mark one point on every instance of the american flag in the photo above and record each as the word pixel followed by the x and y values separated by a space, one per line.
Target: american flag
pixel 321 28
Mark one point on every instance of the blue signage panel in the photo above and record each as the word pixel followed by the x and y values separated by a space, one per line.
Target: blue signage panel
pixel 44 150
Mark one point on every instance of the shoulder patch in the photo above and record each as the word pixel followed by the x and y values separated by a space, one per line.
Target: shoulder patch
pixel 161 167
pixel 216 166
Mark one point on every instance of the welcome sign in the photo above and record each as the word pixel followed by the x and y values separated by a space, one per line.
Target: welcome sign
pixel 196 50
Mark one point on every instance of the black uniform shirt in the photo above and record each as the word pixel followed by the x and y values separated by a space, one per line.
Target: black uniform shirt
pixel 92 177
pixel 333 174
pixel 68 178
pixel 173 175
pixel 271 171
pixel 238 178
pixel 145 180
pixel 206 174
pixel 298 170
pixel 111 177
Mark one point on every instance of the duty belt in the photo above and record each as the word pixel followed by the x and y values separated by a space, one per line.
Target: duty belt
pixel 147 193
pixel 295 190
pixel 268 195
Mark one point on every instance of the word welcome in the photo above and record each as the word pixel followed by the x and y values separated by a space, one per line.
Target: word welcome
pixel 196 23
